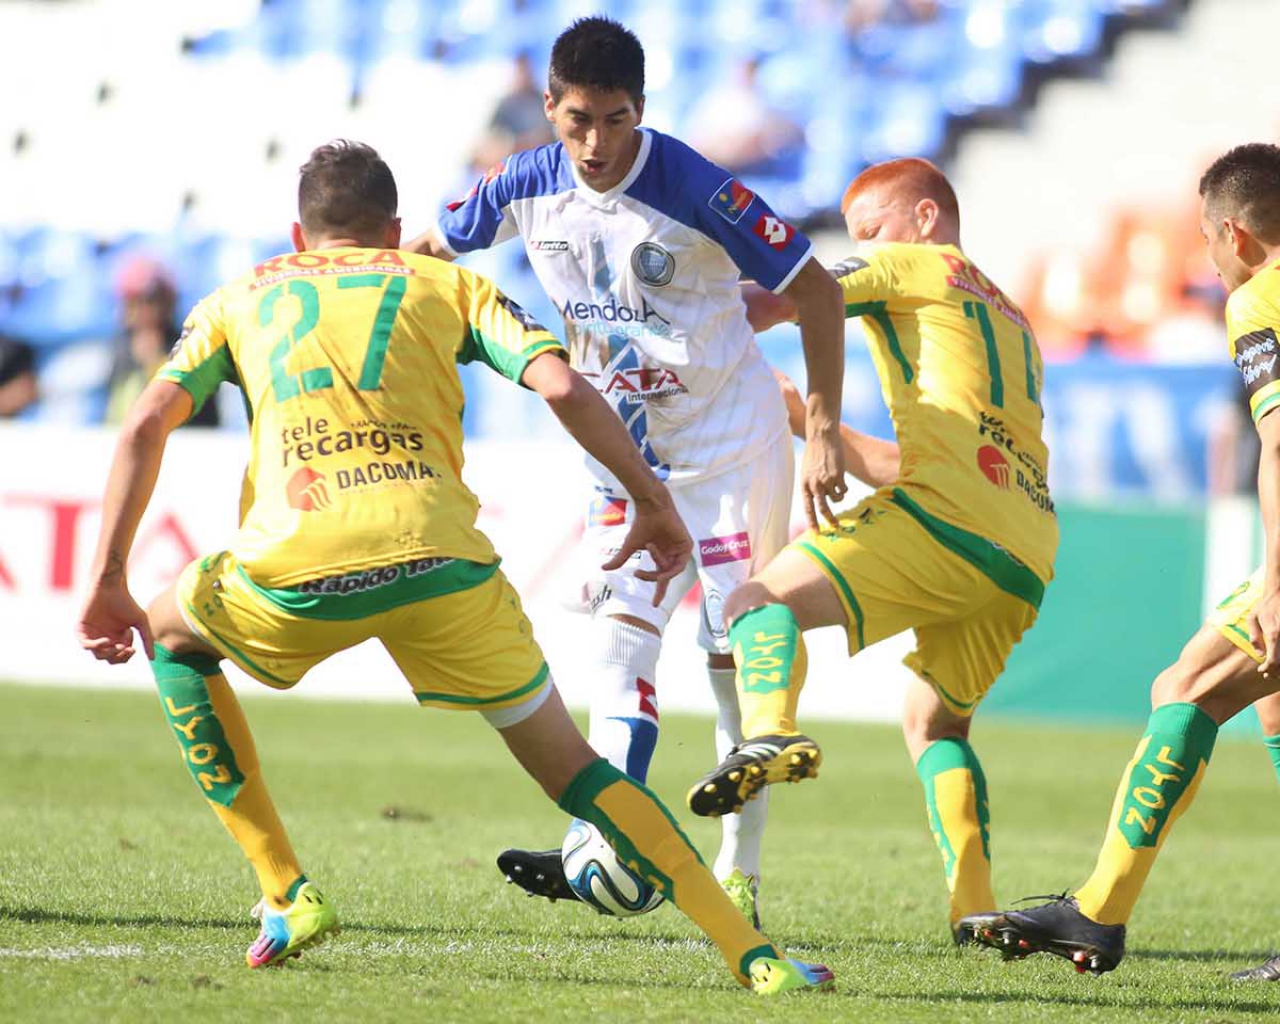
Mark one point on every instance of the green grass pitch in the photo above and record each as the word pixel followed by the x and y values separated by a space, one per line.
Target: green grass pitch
pixel 121 898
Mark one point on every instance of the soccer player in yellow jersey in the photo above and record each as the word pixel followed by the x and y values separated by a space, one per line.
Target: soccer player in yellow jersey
pixel 356 524
pixel 959 547
pixel 1232 661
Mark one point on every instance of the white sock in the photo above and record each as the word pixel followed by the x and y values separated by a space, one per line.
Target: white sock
pixel 741 833
pixel 624 703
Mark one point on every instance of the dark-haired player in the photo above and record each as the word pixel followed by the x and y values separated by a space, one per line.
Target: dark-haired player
pixel 1232 661
pixel 641 243
pixel 359 526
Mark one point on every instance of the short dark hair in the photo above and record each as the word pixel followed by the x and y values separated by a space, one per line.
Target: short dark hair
pixel 1244 183
pixel 346 188
pixel 597 53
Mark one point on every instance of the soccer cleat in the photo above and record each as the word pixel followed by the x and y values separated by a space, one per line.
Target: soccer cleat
pixel 537 872
pixel 962 931
pixel 770 977
pixel 1056 927
pixel 307 922
pixel 744 890
pixel 1270 971
pixel 750 766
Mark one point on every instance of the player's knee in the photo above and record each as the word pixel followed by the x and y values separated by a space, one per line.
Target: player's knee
pixel 750 595
pixel 1174 685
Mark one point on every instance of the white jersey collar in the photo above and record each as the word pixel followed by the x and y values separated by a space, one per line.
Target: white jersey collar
pixel 600 198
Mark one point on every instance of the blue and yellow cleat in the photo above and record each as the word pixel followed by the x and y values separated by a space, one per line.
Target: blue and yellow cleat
pixel 307 922
pixel 770 977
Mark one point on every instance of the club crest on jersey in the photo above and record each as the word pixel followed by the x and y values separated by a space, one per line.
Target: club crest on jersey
pixel 731 200
pixel 653 264
pixel 777 233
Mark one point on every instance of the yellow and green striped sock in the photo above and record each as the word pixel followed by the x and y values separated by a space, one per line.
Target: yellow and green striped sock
pixel 1157 787
pixel 955 795
pixel 218 749
pixel 769 651
pixel 647 839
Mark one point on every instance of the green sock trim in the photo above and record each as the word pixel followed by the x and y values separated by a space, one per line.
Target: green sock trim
pixel 946 755
pixel 184 698
pixel 291 893
pixel 767 638
pixel 167 664
pixel 754 954
pixel 1272 743
pixel 1180 739
pixel 579 800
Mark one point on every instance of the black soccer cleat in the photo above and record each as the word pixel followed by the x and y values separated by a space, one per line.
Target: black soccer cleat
pixel 750 766
pixel 1056 927
pixel 537 872
pixel 1270 971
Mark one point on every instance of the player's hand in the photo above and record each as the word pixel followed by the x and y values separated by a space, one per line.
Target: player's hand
pixel 108 621
pixel 822 475
pixel 1264 631
pixel 658 530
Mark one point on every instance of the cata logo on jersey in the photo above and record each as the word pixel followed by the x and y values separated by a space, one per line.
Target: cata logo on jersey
pixel 776 233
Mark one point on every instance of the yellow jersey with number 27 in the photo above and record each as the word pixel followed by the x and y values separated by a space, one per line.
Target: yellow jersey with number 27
pixel 962 376
pixel 347 358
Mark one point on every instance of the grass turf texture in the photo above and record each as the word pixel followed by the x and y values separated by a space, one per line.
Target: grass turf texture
pixel 121 898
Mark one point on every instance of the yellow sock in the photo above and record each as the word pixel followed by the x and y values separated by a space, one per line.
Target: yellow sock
pixel 648 840
pixel 955 793
pixel 218 749
pixel 769 651
pixel 1157 787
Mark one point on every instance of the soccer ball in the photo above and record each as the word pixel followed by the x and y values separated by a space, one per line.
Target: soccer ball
pixel 600 879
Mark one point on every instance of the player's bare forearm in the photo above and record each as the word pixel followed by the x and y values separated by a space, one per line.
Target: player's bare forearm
pixel 872 460
pixel 161 408
pixel 820 312
pixel 765 309
pixel 589 420
pixel 429 244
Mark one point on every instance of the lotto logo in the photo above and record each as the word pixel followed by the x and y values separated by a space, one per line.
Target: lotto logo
pixel 775 232
pixel 994 466
pixel 306 491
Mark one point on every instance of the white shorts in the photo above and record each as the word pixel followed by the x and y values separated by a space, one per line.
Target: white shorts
pixel 739 520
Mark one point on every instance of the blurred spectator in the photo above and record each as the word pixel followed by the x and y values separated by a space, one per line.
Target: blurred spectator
pixel 735 126
pixel 864 14
pixel 17 376
pixel 148 332
pixel 519 121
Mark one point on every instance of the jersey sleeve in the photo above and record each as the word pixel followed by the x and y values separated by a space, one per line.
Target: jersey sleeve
pixel 499 333
pixel 201 359
pixel 866 284
pixel 482 217
pixel 1255 350
pixel 763 246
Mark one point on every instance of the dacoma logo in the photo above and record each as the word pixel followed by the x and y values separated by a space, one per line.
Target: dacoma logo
pixel 994 466
pixel 306 491
pixel 653 264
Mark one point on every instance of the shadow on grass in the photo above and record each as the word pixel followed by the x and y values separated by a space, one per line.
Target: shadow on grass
pixel 1098 1000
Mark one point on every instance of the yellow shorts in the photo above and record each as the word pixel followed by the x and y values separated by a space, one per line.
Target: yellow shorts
pixel 1231 617
pixel 896 567
pixel 472 649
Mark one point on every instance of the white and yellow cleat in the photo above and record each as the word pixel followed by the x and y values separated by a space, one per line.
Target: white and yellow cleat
pixel 770 977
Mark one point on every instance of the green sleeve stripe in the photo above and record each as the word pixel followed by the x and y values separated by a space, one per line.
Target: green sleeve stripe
pixel 877 312
pixel 200 382
pixel 511 364
pixel 838 577
pixel 1265 400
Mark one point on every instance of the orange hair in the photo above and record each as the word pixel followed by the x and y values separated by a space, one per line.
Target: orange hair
pixel 910 178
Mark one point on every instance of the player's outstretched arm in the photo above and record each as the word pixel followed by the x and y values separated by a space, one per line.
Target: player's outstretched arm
pixel 872 460
pixel 765 309
pixel 1264 623
pixel 657 527
pixel 819 304
pixel 429 243
pixel 110 613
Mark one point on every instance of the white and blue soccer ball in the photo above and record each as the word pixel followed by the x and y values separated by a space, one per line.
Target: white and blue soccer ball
pixel 599 878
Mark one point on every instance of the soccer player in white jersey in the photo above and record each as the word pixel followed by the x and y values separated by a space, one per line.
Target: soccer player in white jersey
pixel 641 243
